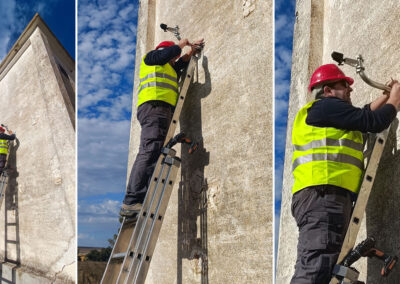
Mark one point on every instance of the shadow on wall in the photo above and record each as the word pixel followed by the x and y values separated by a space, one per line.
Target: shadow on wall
pixel 382 213
pixel 192 200
pixel 11 221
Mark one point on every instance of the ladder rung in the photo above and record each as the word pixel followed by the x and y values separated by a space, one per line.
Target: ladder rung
pixel 11 224
pixel 118 255
pixel 11 242
pixel 131 220
pixel 11 261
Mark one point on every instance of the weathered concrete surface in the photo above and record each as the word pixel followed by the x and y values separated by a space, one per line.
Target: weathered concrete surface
pixel 218 225
pixel 352 28
pixel 35 95
pixel 14 274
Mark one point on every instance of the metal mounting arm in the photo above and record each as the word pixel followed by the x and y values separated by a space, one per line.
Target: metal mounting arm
pixel 358 64
pixel 175 30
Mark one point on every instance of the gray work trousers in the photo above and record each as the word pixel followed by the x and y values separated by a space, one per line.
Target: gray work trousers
pixel 3 161
pixel 322 215
pixel 154 119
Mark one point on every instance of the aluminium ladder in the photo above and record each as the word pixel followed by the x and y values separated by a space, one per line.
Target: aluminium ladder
pixel 135 244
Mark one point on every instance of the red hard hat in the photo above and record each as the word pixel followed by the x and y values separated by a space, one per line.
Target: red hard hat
pixel 326 73
pixel 2 129
pixel 165 44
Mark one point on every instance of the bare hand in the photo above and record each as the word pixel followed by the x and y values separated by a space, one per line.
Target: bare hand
pixel 394 98
pixel 395 92
pixel 197 45
pixel 389 84
pixel 183 42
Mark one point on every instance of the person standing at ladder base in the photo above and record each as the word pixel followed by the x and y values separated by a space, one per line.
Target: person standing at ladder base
pixel 4 138
pixel 158 95
pixel 328 166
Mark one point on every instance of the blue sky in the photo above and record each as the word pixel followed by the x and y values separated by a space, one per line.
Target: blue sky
pixel 15 15
pixel 284 24
pixel 106 47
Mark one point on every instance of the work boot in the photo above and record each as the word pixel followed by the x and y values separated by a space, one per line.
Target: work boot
pixel 130 211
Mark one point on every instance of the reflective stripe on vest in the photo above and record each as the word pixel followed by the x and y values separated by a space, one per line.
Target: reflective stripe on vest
pixel 325 155
pixel 3 146
pixel 329 142
pixel 157 74
pixel 157 83
pixel 340 158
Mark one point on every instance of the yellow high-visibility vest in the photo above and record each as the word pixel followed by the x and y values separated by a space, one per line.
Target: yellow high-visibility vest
pixel 158 82
pixel 3 146
pixel 325 155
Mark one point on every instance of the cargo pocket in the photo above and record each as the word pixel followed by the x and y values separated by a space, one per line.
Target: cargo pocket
pixel 336 232
pixel 316 231
pixel 154 131
pixel 324 231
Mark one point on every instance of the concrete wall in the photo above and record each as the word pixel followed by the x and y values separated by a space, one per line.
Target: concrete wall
pixel 351 27
pixel 41 198
pixel 218 226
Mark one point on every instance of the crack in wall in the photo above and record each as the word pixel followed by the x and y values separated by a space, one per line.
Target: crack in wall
pixel 59 272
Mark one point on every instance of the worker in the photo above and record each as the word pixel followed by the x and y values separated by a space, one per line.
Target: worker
pixel 328 166
pixel 158 94
pixel 4 138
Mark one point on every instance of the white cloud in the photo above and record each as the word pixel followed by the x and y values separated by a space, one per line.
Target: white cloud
pixel 98 222
pixel 83 236
pixel 107 208
pixel 280 135
pixel 281 22
pixel 284 25
pixel 103 156
pixel 281 108
pixel 127 12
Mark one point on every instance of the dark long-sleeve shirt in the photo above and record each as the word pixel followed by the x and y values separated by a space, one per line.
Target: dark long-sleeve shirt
pixel 163 56
pixel 4 136
pixel 334 112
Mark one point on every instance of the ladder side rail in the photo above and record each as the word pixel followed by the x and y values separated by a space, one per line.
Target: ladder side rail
pixel 149 243
pixel 181 99
pixel 147 228
pixel 143 219
pixel 122 245
pixel 365 190
pixel 362 199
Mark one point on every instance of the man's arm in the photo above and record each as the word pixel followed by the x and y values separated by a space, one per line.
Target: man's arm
pixel 384 98
pixel 162 56
pixel 334 112
pixel 7 137
pixel 379 102
pixel 394 98
pixel 193 49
